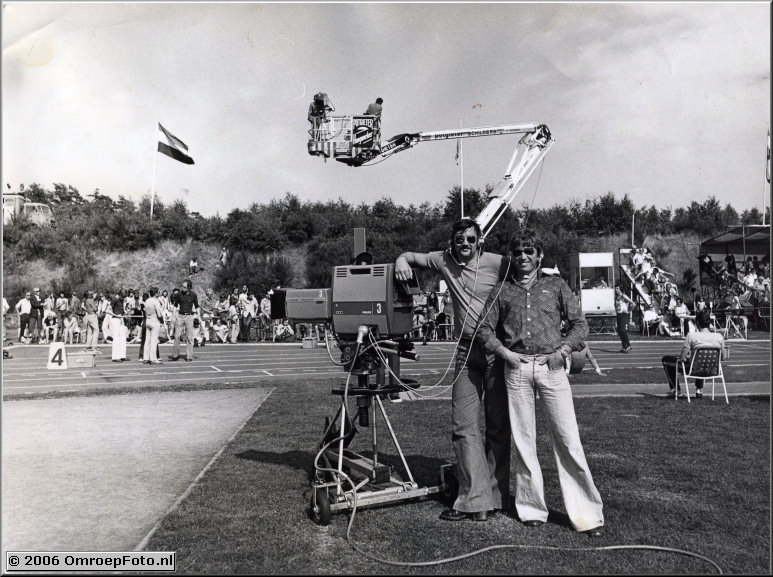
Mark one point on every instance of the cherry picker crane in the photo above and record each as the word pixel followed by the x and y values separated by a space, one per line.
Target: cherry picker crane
pixel 356 141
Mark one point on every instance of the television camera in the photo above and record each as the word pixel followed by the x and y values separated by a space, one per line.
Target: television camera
pixel 370 314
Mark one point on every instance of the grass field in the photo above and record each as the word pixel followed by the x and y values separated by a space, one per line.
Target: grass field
pixel 693 477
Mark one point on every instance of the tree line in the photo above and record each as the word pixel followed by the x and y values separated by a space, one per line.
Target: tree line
pixel 256 236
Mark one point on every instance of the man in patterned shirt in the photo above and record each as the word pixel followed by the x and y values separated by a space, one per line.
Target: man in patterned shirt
pixel 523 328
pixel 483 466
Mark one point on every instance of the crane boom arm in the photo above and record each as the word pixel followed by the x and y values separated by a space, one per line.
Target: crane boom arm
pixel 355 141
pixel 530 150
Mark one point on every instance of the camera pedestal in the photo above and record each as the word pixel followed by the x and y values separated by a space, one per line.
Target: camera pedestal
pixel 346 478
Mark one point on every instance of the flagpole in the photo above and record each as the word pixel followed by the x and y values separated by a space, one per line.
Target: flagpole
pixel 153 183
pixel 767 179
pixel 461 170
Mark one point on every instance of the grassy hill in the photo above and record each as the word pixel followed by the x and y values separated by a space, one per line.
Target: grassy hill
pixel 166 266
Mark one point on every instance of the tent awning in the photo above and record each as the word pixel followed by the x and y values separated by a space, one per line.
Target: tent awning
pixel 751 239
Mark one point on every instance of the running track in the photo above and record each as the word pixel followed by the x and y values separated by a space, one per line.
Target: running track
pixel 264 364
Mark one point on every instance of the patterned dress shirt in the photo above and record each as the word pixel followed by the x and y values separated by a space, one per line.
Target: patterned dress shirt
pixel 527 318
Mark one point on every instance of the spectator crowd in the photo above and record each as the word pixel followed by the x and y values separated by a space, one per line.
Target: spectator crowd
pixel 433 316
pixel 735 292
pixel 87 318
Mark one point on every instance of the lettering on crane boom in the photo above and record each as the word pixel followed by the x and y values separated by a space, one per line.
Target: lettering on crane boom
pixel 463 133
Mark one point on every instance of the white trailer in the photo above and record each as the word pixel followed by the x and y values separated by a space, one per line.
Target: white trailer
pixel 592 278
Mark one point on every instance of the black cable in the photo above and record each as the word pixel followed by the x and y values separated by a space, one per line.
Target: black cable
pixel 512 546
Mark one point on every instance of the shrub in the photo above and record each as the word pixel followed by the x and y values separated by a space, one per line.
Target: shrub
pixel 259 272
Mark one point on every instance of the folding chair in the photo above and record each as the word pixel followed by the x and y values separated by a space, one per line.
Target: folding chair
pixel 651 324
pixel 763 315
pixel 706 363
pixel 254 331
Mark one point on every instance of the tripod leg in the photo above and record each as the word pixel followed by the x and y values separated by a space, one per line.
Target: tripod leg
pixel 394 440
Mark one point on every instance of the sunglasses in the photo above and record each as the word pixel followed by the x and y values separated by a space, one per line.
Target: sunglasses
pixel 528 251
pixel 462 239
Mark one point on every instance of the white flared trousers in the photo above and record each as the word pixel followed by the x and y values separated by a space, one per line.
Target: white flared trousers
pixel 581 498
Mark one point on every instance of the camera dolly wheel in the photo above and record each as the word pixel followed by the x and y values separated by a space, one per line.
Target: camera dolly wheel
pixel 320 507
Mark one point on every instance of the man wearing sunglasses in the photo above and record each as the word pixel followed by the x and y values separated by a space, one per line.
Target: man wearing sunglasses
pixel 483 466
pixel 523 328
pixel 37 308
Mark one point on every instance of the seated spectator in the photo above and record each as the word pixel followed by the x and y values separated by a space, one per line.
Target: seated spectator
pixel 650 317
pixel 750 279
pixel 70 328
pixel 221 308
pixel 428 327
pixel 703 337
pixel 220 329
pixel 681 316
pixel 284 332
pixel 50 326
pixel 135 334
pixel 585 352
pixel 664 329
pixel 645 272
pixel 303 330
pixel 198 336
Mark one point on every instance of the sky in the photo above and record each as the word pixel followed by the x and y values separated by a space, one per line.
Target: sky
pixel 667 103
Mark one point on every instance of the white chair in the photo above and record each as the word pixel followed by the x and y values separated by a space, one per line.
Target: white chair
pixel 706 363
pixel 650 323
